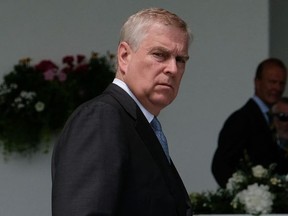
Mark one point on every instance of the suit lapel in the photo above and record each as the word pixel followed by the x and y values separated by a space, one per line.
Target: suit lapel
pixel 149 138
pixel 145 131
pixel 259 116
pixel 169 172
pixel 141 124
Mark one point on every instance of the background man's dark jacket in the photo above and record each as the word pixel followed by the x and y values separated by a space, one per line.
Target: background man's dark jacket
pixel 245 130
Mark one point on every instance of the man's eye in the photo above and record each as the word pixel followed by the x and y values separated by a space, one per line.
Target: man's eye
pixel 181 60
pixel 159 55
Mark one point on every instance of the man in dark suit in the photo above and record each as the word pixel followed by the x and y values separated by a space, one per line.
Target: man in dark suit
pixel 280 122
pixel 247 133
pixel 108 160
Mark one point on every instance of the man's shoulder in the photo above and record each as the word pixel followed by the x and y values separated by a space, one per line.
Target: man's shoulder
pixel 247 108
pixel 248 111
pixel 112 95
pixel 111 100
pixel 250 107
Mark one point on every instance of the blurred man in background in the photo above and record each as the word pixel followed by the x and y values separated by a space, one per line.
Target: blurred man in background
pixel 247 132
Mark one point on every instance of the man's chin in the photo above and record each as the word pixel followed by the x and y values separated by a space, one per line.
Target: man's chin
pixel 163 100
pixel 272 101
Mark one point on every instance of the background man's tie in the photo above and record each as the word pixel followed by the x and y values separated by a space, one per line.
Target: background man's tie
pixel 160 135
pixel 270 120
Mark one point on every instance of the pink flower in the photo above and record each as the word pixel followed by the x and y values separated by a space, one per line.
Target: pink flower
pixel 49 74
pixel 62 76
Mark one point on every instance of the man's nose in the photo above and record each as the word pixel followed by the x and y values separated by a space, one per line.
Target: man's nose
pixel 172 66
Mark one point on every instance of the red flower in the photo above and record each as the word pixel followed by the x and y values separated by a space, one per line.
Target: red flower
pixel 61 76
pixel 68 60
pixel 80 58
pixel 82 68
pixel 67 69
pixel 45 65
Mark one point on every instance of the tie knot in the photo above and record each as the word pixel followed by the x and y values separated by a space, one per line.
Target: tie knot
pixel 156 124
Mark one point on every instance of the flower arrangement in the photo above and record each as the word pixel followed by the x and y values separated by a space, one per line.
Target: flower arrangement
pixel 36 100
pixel 254 190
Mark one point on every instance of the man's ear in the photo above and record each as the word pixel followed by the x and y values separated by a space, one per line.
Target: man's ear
pixel 256 83
pixel 124 55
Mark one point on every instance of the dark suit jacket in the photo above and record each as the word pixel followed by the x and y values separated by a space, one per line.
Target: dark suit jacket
pixel 108 161
pixel 246 129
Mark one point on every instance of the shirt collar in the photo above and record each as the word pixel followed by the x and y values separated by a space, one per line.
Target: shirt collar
pixel 124 86
pixel 263 107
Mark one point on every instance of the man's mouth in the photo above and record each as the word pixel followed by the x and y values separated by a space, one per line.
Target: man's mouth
pixel 166 84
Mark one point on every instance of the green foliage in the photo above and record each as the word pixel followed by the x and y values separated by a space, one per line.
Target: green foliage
pixel 212 202
pixel 36 100
pixel 251 190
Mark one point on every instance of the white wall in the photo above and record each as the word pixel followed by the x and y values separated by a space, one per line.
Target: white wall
pixel 231 37
pixel 278 30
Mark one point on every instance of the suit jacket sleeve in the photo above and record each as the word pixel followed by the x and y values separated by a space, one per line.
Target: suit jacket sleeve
pixel 89 163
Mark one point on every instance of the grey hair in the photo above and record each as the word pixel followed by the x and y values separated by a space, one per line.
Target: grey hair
pixel 136 27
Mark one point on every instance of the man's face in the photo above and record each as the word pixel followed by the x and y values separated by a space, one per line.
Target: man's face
pixel 281 122
pixel 153 72
pixel 271 85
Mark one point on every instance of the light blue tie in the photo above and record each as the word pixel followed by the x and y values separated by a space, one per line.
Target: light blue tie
pixel 160 135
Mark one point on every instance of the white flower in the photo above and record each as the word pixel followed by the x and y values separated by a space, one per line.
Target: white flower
pixel 259 171
pixel 20 106
pixel 18 100
pixel 275 181
pixel 233 182
pixel 286 178
pixel 18 103
pixel 7 89
pixel 256 199
pixel 24 99
pixel 39 106
pixel 27 95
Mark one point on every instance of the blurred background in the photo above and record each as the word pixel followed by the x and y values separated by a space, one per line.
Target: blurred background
pixel 230 39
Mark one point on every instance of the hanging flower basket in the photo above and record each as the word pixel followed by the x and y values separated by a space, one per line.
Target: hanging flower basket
pixel 36 100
